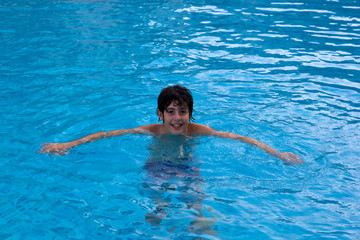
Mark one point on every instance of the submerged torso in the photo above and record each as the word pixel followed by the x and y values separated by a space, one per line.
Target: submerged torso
pixel 171 156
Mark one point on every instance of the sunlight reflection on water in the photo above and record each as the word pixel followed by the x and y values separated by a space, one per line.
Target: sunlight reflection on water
pixel 286 73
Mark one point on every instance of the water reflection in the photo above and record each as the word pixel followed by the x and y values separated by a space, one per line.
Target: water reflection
pixel 172 177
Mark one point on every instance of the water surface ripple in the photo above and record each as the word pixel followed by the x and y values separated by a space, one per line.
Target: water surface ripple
pixel 284 72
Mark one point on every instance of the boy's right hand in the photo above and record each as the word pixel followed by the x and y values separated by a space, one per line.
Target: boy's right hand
pixel 55 148
pixel 290 158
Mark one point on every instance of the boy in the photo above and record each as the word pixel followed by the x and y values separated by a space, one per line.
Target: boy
pixel 175 106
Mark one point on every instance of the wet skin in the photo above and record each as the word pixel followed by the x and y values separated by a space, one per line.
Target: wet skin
pixel 175 118
pixel 176 121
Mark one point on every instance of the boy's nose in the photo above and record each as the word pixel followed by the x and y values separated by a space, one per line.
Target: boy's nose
pixel 177 115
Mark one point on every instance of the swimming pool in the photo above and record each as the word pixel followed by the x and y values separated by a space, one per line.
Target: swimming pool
pixel 283 72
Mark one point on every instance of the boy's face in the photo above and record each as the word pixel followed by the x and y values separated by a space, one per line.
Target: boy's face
pixel 176 118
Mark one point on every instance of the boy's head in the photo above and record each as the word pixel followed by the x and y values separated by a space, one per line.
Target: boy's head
pixel 177 94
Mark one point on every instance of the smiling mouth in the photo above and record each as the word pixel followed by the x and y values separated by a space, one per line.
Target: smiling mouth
pixel 177 126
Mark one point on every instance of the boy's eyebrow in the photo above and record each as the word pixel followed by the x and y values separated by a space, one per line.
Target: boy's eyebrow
pixel 173 109
pixel 170 108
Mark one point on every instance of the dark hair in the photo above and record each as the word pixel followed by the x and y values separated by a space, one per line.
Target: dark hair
pixel 176 93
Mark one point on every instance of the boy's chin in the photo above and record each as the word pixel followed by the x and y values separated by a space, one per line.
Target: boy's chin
pixel 177 131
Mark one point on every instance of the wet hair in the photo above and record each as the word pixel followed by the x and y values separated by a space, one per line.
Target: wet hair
pixel 180 95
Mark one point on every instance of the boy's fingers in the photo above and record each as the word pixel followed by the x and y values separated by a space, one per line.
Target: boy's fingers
pixel 291 158
pixel 298 160
pixel 46 148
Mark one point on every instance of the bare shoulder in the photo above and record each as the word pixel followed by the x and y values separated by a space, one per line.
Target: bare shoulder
pixel 199 129
pixel 149 129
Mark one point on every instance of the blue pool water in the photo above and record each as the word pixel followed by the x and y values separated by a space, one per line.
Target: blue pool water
pixel 284 72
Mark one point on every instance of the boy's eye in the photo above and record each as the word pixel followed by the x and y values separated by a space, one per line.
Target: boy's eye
pixel 181 111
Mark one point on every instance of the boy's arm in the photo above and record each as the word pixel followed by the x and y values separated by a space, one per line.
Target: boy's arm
pixel 286 157
pixel 61 148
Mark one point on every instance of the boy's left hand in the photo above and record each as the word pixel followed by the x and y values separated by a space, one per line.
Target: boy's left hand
pixel 290 158
pixel 55 148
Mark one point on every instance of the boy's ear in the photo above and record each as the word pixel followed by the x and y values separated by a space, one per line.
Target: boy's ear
pixel 160 114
